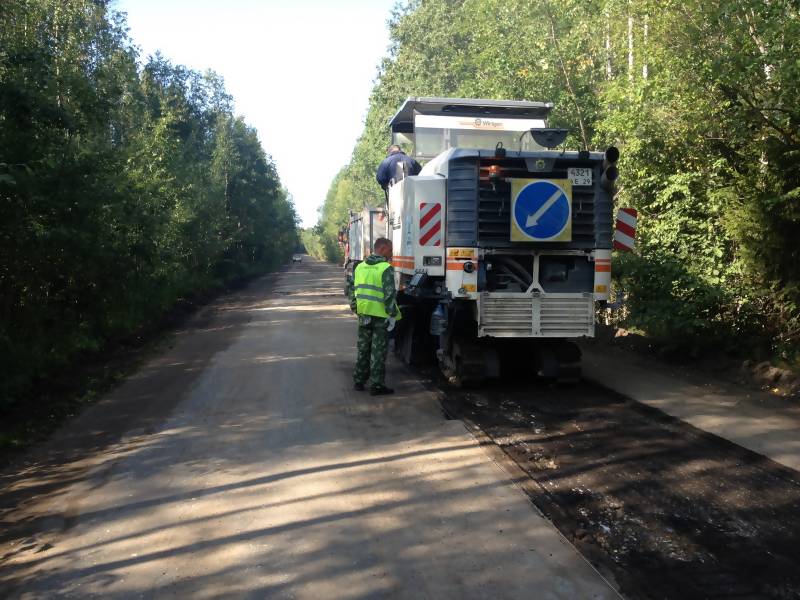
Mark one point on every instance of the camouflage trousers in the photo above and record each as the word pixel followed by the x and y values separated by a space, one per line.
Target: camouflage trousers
pixel 372 344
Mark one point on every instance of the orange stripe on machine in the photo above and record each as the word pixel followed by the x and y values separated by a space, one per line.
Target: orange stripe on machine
pixel 602 265
pixel 403 264
pixel 458 265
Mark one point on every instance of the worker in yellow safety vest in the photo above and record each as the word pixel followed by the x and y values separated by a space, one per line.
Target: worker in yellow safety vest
pixel 373 298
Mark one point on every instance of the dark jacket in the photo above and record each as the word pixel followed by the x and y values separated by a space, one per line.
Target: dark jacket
pixel 388 167
pixel 387 283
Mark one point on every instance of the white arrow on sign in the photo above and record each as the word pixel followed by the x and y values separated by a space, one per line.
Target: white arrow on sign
pixel 533 220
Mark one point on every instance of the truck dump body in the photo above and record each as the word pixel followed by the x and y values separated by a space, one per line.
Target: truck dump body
pixel 363 229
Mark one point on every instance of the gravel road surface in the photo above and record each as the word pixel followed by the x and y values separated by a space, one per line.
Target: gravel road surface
pixel 240 463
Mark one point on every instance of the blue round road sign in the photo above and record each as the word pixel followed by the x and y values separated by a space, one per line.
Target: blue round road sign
pixel 542 210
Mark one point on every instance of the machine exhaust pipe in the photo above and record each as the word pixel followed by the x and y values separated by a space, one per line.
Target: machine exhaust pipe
pixel 610 171
pixel 612 156
pixel 609 177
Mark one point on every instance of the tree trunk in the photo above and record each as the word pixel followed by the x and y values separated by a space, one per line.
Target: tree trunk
pixel 630 47
pixel 644 48
pixel 573 96
pixel 609 71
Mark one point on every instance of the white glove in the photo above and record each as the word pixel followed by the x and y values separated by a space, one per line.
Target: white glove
pixel 390 323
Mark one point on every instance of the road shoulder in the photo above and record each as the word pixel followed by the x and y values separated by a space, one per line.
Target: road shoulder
pixel 767 427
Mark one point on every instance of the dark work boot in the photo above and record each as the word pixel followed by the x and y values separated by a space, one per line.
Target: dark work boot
pixel 380 391
pixel 359 387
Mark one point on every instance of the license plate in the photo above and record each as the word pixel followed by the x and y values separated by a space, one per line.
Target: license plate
pixel 580 175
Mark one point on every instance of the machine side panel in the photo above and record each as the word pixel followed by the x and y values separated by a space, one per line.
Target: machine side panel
pixel 401 224
pixel 427 204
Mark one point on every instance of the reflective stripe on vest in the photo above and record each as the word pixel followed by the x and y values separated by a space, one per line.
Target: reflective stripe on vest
pixel 368 284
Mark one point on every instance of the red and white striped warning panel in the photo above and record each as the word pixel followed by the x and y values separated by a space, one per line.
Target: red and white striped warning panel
pixel 625 234
pixel 430 224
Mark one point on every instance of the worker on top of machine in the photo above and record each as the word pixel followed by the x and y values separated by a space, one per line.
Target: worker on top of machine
pixel 388 168
pixel 373 298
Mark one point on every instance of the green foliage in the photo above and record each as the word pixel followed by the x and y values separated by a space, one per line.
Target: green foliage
pixel 710 141
pixel 319 245
pixel 701 99
pixel 122 189
pixel 679 307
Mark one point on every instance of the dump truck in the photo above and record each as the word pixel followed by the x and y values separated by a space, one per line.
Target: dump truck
pixel 363 228
pixel 502 243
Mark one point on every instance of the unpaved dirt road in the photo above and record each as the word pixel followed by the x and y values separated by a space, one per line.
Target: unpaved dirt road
pixel 240 463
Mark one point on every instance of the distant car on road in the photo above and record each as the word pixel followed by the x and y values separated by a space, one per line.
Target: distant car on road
pixel 297 258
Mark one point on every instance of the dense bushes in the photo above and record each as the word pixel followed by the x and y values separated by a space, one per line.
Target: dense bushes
pixel 701 99
pixel 122 188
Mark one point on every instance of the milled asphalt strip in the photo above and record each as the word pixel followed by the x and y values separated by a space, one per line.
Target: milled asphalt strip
pixel 771 431
pixel 273 478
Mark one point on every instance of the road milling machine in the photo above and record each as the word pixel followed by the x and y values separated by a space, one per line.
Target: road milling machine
pixel 502 244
